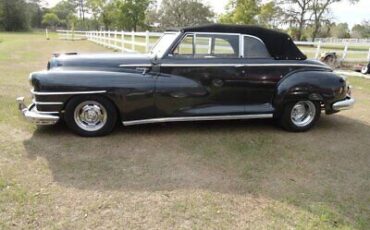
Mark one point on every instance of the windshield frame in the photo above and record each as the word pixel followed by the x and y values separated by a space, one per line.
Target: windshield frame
pixel 164 52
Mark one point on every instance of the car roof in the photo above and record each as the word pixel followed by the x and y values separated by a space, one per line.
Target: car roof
pixel 280 45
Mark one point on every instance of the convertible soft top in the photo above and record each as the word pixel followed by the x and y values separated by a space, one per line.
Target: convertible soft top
pixel 279 45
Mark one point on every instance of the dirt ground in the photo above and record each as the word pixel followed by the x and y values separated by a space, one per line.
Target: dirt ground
pixel 196 175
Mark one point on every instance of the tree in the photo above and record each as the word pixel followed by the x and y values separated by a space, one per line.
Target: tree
pixel 13 16
pixel 152 18
pixel 340 30
pixel 270 15
pixel 50 19
pixel 131 13
pixel 180 13
pixel 63 9
pixel 80 6
pixel 241 12
pixel 35 12
pixel 296 16
pixel 361 30
pixel 102 11
pixel 319 8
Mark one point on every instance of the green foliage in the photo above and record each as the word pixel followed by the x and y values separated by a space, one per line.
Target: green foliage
pixel 241 12
pixel 131 14
pixel 361 30
pixel 340 30
pixel 13 15
pixel 184 13
pixel 63 9
pixel 270 15
pixel 50 19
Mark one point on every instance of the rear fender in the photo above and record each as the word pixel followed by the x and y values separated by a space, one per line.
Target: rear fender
pixel 323 86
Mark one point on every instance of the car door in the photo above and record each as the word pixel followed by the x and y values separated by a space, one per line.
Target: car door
pixel 200 77
pixel 261 74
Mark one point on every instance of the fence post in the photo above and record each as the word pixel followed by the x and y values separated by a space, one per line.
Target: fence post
pixel 100 37
pixel 115 39
pixel 317 55
pixel 132 40
pixel 123 41
pixel 345 51
pixel 47 34
pixel 147 42
pixel 368 55
pixel 109 39
pixel 105 38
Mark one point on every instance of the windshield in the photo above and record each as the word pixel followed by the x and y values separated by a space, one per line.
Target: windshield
pixel 163 44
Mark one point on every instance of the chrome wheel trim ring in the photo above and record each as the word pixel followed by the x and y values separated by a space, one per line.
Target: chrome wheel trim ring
pixel 303 113
pixel 90 116
pixel 364 69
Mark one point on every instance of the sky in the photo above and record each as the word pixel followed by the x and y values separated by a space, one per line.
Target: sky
pixel 340 12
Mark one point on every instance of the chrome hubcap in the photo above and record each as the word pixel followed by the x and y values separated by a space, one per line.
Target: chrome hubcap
pixel 364 69
pixel 303 113
pixel 90 115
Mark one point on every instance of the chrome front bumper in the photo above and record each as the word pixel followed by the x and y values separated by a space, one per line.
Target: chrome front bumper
pixel 32 115
pixel 344 104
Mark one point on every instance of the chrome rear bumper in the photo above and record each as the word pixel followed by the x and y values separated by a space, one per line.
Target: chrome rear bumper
pixel 32 115
pixel 344 104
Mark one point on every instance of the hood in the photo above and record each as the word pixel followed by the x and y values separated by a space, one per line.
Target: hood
pixel 92 61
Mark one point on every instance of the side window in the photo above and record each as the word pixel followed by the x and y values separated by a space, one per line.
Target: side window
pixel 254 48
pixel 208 46
pixel 223 47
pixel 185 48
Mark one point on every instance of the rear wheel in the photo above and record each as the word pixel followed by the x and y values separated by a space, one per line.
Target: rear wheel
pixel 90 116
pixel 300 116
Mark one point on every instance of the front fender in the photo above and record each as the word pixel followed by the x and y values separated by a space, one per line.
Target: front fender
pixel 323 86
pixel 130 92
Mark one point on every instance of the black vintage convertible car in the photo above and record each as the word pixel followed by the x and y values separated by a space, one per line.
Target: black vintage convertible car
pixel 213 72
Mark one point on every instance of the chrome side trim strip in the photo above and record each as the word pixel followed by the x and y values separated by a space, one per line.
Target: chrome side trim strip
pixel 240 65
pixel 46 103
pixel 135 65
pixel 198 118
pixel 67 93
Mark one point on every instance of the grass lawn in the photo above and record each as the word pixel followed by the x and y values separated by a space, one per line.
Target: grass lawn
pixel 208 175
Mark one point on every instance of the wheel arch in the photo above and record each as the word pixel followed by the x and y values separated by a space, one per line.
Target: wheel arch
pixel 105 96
pixel 314 85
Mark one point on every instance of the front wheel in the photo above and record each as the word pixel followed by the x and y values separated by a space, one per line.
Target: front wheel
pixel 90 116
pixel 300 116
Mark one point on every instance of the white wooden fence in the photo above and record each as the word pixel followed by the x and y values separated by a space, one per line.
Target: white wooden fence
pixel 118 40
pixel 144 41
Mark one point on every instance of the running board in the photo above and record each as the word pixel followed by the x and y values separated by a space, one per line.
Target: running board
pixel 198 118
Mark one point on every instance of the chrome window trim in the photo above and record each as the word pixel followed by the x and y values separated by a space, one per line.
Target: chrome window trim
pixel 67 93
pixel 194 34
pixel 241 46
pixel 258 39
pixel 251 36
pixel 46 103
pixel 241 40
pixel 169 46
pixel 198 118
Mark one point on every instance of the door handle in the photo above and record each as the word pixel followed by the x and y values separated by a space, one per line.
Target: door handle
pixel 143 69
pixel 218 82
